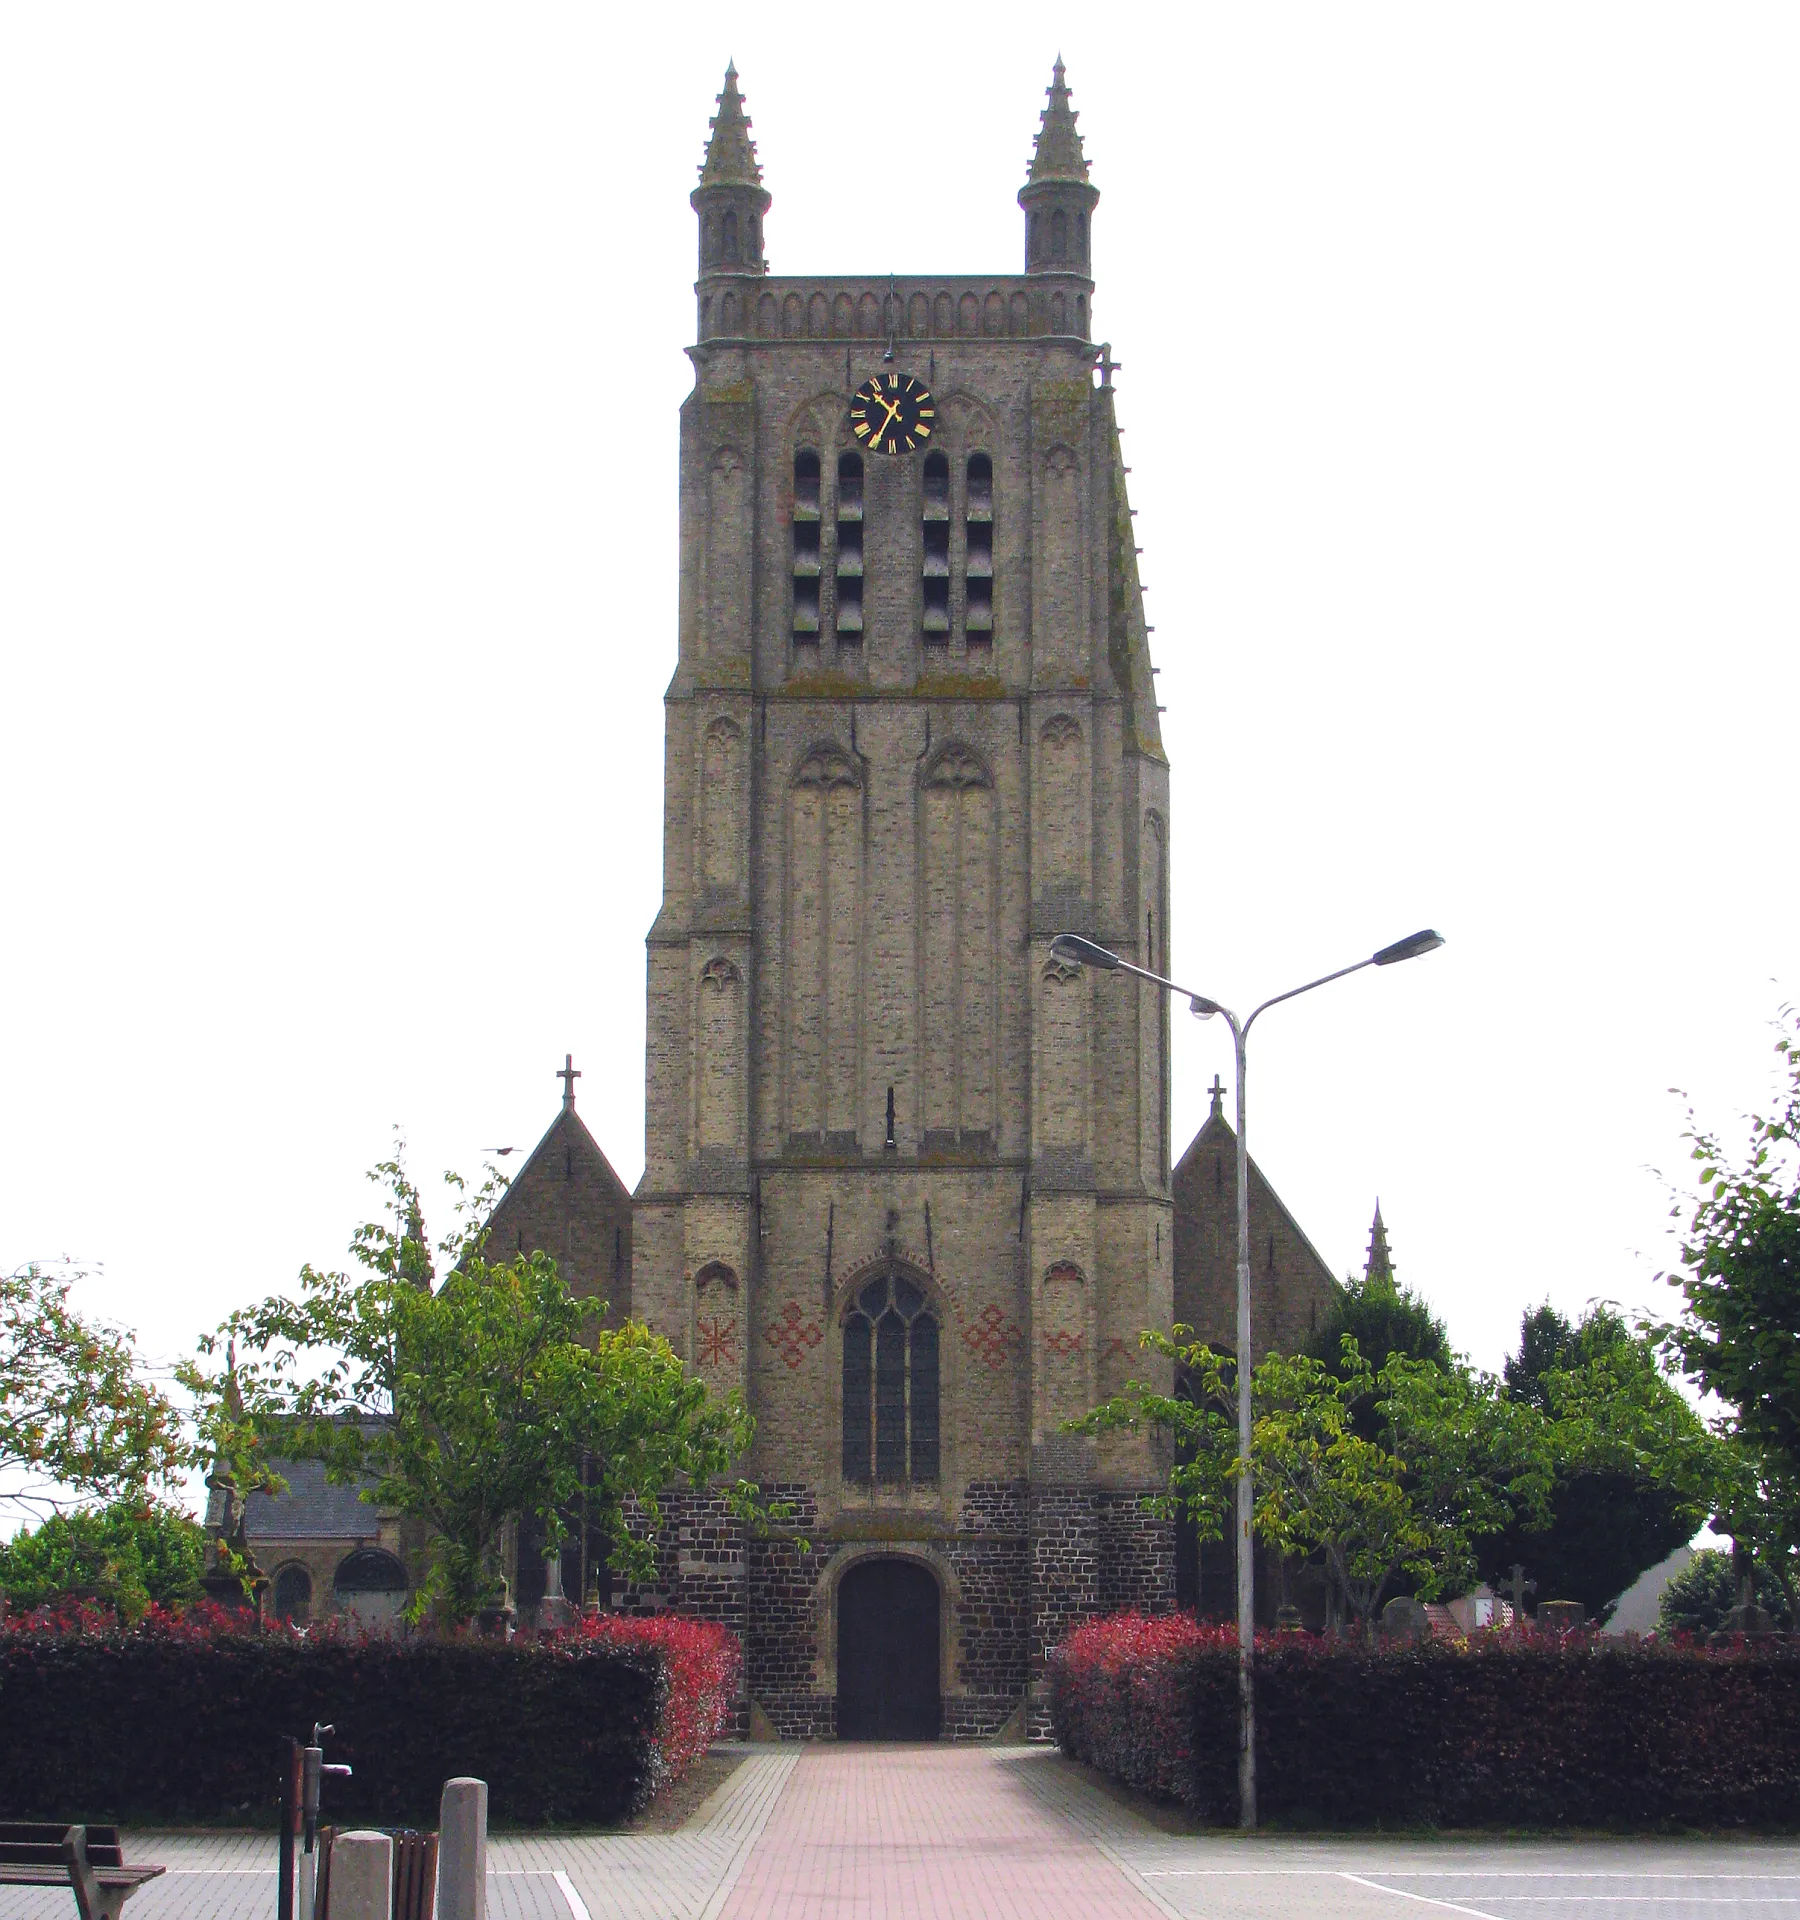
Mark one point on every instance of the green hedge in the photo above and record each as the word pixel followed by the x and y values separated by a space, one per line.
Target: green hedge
pixel 173 1724
pixel 1512 1731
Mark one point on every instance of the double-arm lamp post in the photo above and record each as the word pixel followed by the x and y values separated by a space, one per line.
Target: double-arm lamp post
pixel 1074 947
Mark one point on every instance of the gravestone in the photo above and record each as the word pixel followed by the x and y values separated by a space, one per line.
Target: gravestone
pixel 1404 1623
pixel 1560 1616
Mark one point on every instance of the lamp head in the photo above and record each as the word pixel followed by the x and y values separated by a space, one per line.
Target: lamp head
pixel 1410 948
pixel 1202 1008
pixel 1072 946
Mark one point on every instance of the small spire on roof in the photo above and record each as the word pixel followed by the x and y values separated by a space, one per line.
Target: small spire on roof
pixel 568 1073
pixel 1218 1098
pixel 730 153
pixel 1380 1264
pixel 1058 155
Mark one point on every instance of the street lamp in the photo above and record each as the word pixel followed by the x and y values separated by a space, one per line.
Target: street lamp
pixel 1084 952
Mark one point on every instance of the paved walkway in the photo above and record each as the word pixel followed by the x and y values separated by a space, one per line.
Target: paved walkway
pixel 1003 1833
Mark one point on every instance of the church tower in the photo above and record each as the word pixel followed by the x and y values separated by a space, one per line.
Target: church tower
pixel 907 1181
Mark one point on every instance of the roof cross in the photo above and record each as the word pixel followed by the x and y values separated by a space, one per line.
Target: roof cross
pixel 568 1073
pixel 1218 1094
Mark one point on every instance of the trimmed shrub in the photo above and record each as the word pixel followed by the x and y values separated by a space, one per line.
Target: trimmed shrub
pixel 1512 1730
pixel 181 1718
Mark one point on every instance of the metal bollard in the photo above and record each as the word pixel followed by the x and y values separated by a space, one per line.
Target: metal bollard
pixel 462 1851
pixel 362 1876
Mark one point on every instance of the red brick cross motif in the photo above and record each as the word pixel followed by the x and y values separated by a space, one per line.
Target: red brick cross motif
pixel 991 1337
pixel 794 1336
pixel 718 1342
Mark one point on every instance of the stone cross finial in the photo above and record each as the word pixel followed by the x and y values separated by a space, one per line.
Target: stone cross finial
pixel 1108 365
pixel 1218 1097
pixel 568 1073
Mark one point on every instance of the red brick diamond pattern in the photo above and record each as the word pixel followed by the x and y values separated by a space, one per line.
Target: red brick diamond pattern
pixel 991 1337
pixel 1063 1341
pixel 794 1335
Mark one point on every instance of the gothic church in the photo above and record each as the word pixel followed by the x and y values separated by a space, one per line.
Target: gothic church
pixel 908 1183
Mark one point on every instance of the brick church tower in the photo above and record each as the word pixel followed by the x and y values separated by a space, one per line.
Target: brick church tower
pixel 907 1184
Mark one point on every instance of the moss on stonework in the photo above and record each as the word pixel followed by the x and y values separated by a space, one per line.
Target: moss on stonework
pixel 826 685
pixel 959 686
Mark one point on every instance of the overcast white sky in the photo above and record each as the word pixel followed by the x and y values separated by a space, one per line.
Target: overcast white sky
pixel 340 355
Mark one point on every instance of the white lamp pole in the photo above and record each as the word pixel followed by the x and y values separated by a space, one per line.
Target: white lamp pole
pixel 1075 947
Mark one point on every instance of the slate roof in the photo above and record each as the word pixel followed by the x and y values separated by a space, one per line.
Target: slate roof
pixel 311 1509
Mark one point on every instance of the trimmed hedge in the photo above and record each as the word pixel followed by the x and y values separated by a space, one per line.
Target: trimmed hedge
pixel 181 1719
pixel 1512 1730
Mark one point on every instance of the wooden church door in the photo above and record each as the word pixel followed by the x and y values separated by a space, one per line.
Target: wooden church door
pixel 887 1652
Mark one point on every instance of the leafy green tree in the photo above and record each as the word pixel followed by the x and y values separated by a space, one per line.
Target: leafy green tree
pixel 1738 1336
pixel 1383 1318
pixel 127 1555
pixel 1637 1472
pixel 1404 1494
pixel 468 1401
pixel 77 1410
pixel 1698 1598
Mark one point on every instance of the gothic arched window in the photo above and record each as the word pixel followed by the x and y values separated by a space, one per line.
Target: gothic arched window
pixel 890 1386
pixel 731 236
pixel 1059 235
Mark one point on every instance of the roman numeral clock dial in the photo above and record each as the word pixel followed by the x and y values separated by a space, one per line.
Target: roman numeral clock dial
pixel 892 413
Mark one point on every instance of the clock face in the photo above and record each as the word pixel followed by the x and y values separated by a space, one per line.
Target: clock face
pixel 892 413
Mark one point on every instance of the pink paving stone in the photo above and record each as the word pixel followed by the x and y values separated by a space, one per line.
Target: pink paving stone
pixel 878 1832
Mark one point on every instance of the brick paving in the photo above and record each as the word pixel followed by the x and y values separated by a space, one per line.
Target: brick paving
pixel 1004 1833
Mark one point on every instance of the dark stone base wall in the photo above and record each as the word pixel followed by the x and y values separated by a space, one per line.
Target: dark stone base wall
pixel 1029 1564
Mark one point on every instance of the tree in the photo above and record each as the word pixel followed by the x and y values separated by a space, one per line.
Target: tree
pixel 77 1410
pixel 1699 1597
pixel 1738 1336
pixel 1403 1493
pixel 468 1401
pixel 1383 1318
pixel 129 1555
pixel 1636 1471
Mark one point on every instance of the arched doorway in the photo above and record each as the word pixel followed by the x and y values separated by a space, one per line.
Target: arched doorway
pixel 887 1652
pixel 371 1586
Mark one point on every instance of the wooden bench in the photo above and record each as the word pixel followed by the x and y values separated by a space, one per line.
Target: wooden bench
pixel 43 1853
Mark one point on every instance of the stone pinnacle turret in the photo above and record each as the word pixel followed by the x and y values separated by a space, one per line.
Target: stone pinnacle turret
pixel 730 198
pixel 1056 195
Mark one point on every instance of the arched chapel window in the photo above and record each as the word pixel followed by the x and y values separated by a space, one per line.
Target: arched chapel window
pixel 1059 236
pixel 731 236
pixel 890 1386
pixel 293 1594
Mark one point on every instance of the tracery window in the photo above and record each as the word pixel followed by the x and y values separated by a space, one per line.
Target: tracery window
pixel 890 1386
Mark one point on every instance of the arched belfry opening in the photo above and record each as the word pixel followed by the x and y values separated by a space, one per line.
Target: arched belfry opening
pixel 889 1685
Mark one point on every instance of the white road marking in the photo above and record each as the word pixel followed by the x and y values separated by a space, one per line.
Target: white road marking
pixel 1425 1899
pixel 577 1906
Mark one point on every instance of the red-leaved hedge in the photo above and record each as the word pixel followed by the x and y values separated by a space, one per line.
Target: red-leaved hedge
pixel 180 1718
pixel 1511 1730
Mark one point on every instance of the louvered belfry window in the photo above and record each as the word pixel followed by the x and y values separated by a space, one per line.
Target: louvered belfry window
pixel 891 1386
